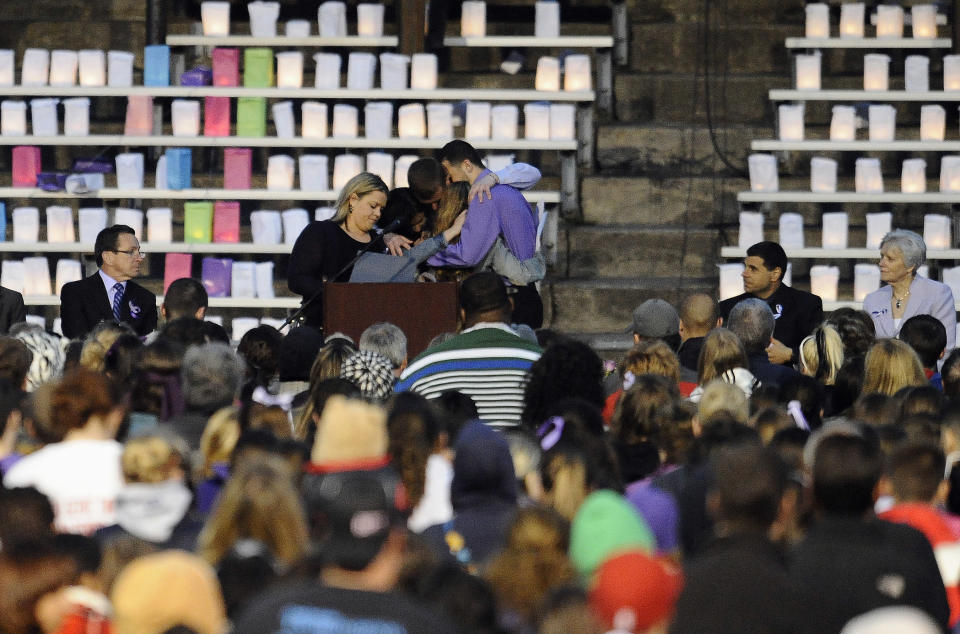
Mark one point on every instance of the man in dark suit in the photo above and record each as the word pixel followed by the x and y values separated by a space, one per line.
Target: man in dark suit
pixel 109 294
pixel 796 313
pixel 12 310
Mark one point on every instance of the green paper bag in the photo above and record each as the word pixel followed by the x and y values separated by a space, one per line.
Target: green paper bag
pixel 258 68
pixel 251 116
pixel 198 222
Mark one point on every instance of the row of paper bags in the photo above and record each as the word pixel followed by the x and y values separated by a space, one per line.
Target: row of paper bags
pixel 868 178
pixel 62 67
pixel 889 20
pixel 876 72
pixel 881 122
pixel 834 230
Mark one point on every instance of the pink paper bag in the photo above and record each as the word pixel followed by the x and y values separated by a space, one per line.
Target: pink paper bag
pixel 237 165
pixel 26 165
pixel 176 265
pixel 216 116
pixel 139 120
pixel 226 67
pixel 226 221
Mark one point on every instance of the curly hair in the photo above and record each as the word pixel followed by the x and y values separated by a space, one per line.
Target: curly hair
pixel 413 428
pixel 652 356
pixel 856 330
pixel 260 350
pixel 567 369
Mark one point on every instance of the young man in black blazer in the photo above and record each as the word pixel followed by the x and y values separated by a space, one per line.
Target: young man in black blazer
pixel 109 294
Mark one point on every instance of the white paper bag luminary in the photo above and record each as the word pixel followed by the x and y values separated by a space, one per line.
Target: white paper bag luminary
pixel 497 162
pixel 913 176
pixel 576 72
pixel 889 21
pixel 263 18
pixel 950 174
pixel 159 225
pixel 370 20
pixel 790 121
pixel 851 19
pixel 876 71
pixel 866 279
pixel 327 73
pixel 843 123
pixel 400 168
pixel 867 176
pixel 924 21
pixel 294 222
pixel 63 68
pixel 43 116
pixel 297 28
pixel 243 279
pixel 280 172
pixel 60 224
pixel 345 167
pixel 289 69
pixel 13 118
pixel 878 225
pixel 473 20
pixel 916 74
pixel 119 69
pixel 67 271
pixel 91 221
pixel 8 67
pixel 378 120
pixel 536 121
pixel 503 122
pixel 731 280
pixel 807 71
pixel 381 164
pixel 951 277
pixel 130 170
pixel 332 19
pixel 13 275
pixel 751 228
pixel 883 120
pixel 546 21
pixel 835 227
pixel 562 121
pixel 133 218
pixel 266 227
pixel 823 175
pixel 423 71
pixel 548 74
pixel 76 116
pixel 817 20
pixel 361 68
pixel 763 172
pixel 411 121
pixel 313 115
pixel 823 281
pixel 215 17
pixel 239 326
pixel 439 120
pixel 36 279
pixel 264 279
pixel 478 120
pixel 791 231
pixel 283 121
pixel 345 124
pixel 394 71
pixel 93 68
pixel 185 116
pixel 936 231
pixel 35 69
pixel 314 172
pixel 951 72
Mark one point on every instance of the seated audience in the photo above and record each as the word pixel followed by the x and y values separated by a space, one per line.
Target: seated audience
pixel 891 364
pixel 388 340
pixel 753 322
pixel 723 358
pixel 926 335
pixel 698 316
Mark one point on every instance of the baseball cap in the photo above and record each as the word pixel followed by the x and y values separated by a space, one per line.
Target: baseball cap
pixel 655 318
pixel 351 513
pixel 634 591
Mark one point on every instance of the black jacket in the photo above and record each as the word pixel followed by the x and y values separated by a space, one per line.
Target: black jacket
pixel 796 314
pixel 85 303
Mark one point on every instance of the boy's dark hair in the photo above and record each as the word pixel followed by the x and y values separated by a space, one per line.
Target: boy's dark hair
pixel 846 470
pixel 748 481
pixel 927 336
pixel 457 151
pixel 772 255
pixel 184 297
pixel 424 176
pixel 916 471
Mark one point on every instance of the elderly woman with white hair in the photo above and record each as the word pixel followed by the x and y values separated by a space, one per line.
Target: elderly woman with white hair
pixel 906 293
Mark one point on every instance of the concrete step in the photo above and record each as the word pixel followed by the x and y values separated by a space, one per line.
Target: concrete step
pixel 737 11
pixel 658 251
pixel 677 47
pixel 670 149
pixel 680 200
pixel 606 305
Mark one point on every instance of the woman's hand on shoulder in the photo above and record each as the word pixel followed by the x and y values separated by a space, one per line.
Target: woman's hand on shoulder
pixel 396 243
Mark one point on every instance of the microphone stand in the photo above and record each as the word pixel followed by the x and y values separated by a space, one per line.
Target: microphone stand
pixel 303 306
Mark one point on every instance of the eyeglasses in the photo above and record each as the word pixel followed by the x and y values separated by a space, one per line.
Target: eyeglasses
pixel 134 253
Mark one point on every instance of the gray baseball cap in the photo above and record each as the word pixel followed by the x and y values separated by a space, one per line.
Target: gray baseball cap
pixel 655 318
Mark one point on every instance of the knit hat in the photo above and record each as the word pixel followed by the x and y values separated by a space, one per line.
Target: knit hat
pixel 350 431
pixel 606 523
pixel 371 372
pixel 655 318
pixel 298 350
pixel 163 590
pixel 634 591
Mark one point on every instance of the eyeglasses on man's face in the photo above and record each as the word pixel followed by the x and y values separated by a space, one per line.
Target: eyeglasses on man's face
pixel 134 253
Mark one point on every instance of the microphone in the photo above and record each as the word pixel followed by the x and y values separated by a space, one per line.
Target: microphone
pixel 390 227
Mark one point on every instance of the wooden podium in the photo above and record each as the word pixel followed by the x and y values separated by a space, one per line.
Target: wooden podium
pixel 421 310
